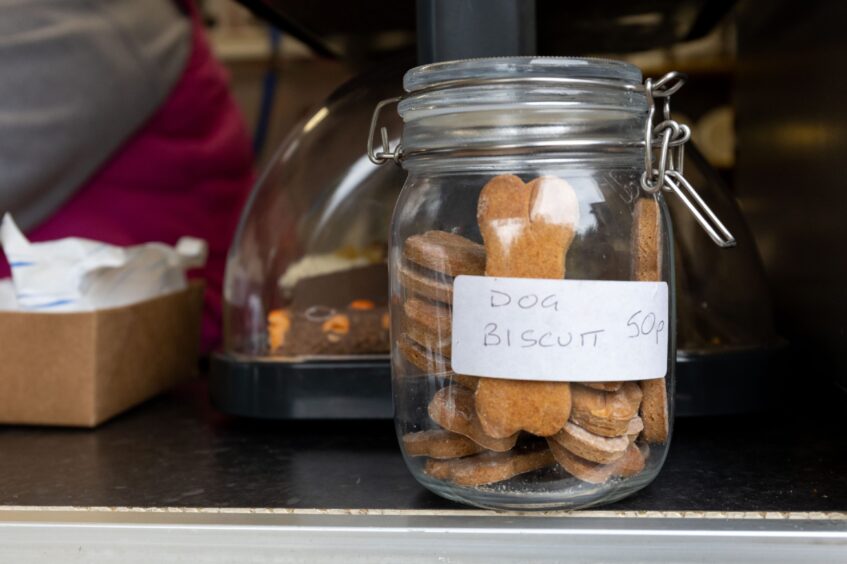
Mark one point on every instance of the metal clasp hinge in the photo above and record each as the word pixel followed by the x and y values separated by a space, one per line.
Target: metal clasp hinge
pixel 386 154
pixel 670 137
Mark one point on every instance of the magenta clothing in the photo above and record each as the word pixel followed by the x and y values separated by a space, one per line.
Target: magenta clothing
pixel 187 171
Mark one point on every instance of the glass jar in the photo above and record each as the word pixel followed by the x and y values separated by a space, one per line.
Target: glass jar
pixel 531 281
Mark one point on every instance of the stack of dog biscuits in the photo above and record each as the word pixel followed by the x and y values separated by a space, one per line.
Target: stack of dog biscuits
pixel 460 450
pixel 647 267
pixel 598 441
pixel 488 430
pixel 431 261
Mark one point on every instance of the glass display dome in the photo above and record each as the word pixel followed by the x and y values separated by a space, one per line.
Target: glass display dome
pixel 306 274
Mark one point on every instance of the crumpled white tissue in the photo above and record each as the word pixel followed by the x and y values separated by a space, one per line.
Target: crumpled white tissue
pixel 76 274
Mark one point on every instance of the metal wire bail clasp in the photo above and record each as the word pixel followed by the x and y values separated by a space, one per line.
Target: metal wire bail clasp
pixel 670 137
pixel 380 157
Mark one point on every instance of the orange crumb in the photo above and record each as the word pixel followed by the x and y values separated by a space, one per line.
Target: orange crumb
pixel 336 327
pixel 362 305
pixel 279 322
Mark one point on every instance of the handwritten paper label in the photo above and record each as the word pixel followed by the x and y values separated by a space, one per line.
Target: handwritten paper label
pixel 560 330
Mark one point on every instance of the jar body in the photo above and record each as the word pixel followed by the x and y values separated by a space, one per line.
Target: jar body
pixel 531 279
pixel 445 434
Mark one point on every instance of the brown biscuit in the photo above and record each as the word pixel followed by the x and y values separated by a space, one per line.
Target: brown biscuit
pixel 647 241
pixel 604 386
pixel 646 266
pixel 589 446
pixel 508 406
pixel 433 287
pixel 630 464
pixel 439 443
pixel 442 345
pixel 434 317
pixel 452 407
pixel 427 361
pixel 432 364
pixel 489 467
pixel 438 469
pixel 527 230
pixel 470 382
pixel 446 253
pixel 605 413
pixel 554 215
pixel 429 324
pixel 654 411
pixel 503 216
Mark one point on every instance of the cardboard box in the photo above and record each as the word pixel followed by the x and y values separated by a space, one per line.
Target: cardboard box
pixel 82 368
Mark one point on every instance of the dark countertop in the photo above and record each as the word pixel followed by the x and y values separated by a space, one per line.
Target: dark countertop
pixel 177 451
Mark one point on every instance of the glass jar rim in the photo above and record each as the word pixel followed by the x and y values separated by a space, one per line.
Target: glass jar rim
pixel 432 75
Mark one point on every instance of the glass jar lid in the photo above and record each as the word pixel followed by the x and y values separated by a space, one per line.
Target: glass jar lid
pixel 515 105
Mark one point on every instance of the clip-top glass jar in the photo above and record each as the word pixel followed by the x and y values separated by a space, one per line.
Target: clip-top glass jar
pixel 531 276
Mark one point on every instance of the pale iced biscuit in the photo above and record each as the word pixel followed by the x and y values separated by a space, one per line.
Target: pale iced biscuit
pixel 605 413
pixel 446 253
pixel 427 286
pixel 647 241
pixel 429 324
pixel 636 425
pixel 527 230
pixel 489 467
pixel 452 407
pixel 438 443
pixel 604 386
pixel 427 361
pixel 589 446
pixel 654 411
pixel 630 464
pixel 508 406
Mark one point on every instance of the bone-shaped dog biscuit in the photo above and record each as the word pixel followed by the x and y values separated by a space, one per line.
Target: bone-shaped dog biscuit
pixel 508 406
pixel 527 230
